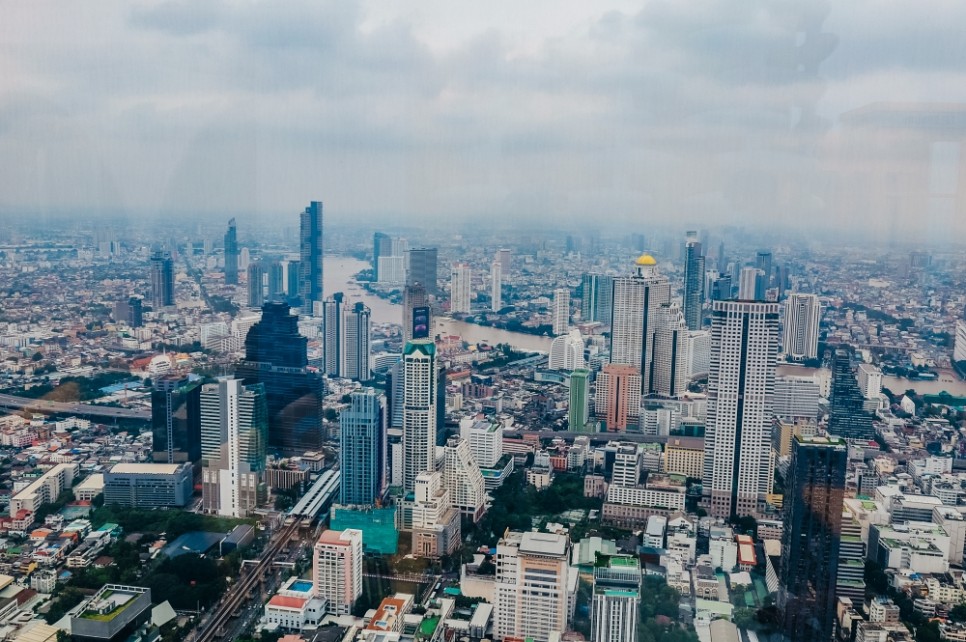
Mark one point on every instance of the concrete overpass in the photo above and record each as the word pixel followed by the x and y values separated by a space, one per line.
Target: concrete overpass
pixel 12 402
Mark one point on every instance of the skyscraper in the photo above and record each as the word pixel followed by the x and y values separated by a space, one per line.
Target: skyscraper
pixel 417 314
pixel 176 419
pixel 504 256
pixel 129 311
pixel 693 282
pixel 231 254
pixel 744 350
pixel 530 588
pixel 332 334
pixel 276 356
pixel 561 311
pixel 669 371
pixel 618 396
pixel 162 280
pixel 310 255
pixel 362 448
pixel 423 266
pixel 803 314
pixel 234 435
pixel 750 287
pixel 292 284
pixel 381 246
pixel 256 285
pixel 496 286
pixel 461 293
pixel 346 328
pixel 595 302
pixel 357 351
pixel 847 416
pixel 419 410
pixel 276 281
pixel 811 537
pixel 763 262
pixel 463 479
pixel 337 569
pixel 635 302
pixel 579 412
pixel 616 599
pixel 567 352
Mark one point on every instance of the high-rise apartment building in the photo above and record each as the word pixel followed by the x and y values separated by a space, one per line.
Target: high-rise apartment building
pixel 811 537
pixel 292 277
pixel 693 282
pixel 463 479
pixel 803 314
pixel 231 253
pixel 391 263
pixel 461 291
pixel 347 329
pixel 567 352
pixel 176 419
pixel 531 588
pixel 162 280
pixel 423 267
pixel 419 410
pixel 234 436
pixel 381 246
pixel 635 301
pixel 431 516
pixel 560 317
pixel 741 383
pixel 847 415
pixel 362 448
pixel 276 356
pixel 617 397
pixel 750 284
pixel 616 599
pixel 505 258
pixel 595 301
pixel 850 577
pixel 627 466
pixel 959 345
pixel 337 569
pixel 129 311
pixel 669 346
pixel 578 413
pixel 496 286
pixel 256 284
pixel 310 256
pixel 276 281
pixel 485 439
pixel 417 313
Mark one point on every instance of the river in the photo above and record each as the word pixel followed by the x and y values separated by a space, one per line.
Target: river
pixel 339 274
pixel 947 381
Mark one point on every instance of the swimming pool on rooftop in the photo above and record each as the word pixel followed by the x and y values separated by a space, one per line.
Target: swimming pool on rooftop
pixel 302 586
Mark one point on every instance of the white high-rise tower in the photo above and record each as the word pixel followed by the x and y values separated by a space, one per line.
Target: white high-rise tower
pixel 496 286
pixel 803 313
pixel 461 289
pixel 419 410
pixel 561 311
pixel 741 384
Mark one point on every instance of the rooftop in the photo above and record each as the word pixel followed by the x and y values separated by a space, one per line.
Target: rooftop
pixel 544 544
pixel 145 469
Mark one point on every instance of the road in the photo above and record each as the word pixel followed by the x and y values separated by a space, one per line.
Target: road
pixel 567 435
pixel 217 619
pixel 13 402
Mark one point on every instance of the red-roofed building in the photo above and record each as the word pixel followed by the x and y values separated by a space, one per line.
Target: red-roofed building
pixel 295 607
pixel 747 558
pixel 390 614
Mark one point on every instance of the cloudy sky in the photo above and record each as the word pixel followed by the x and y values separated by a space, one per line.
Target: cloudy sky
pixel 703 112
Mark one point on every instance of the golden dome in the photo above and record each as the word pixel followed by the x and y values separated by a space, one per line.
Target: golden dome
pixel 645 259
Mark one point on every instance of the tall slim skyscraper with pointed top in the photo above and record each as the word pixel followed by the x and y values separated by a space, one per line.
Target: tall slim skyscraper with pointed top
pixel 310 255
pixel 420 390
pixel 231 253
pixel 693 282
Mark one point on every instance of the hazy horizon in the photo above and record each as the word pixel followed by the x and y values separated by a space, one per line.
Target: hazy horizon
pixel 793 115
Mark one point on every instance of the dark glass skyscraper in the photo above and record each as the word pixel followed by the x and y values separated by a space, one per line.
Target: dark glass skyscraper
pixel 763 263
pixel 292 284
pixel 162 280
pixel 231 254
pixel 130 312
pixel 595 302
pixel 176 419
pixel 275 355
pixel 847 417
pixel 310 255
pixel 362 448
pixel 693 283
pixel 811 537
pixel 423 266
